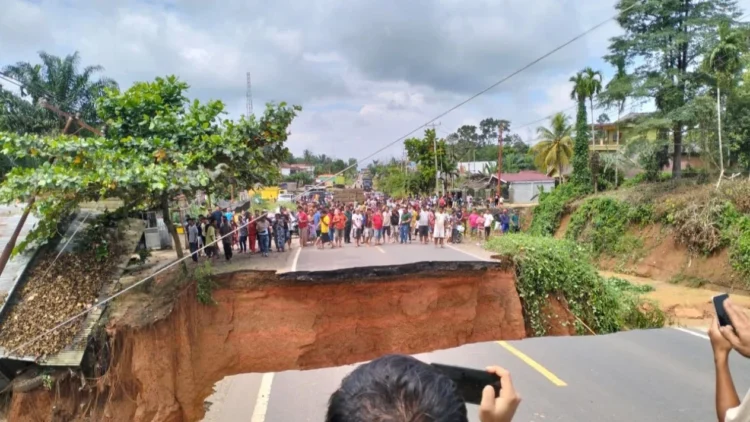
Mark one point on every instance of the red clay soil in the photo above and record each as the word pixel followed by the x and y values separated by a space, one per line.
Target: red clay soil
pixel 163 372
pixel 665 259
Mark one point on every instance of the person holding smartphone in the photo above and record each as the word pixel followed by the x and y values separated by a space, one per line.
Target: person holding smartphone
pixel 403 388
pixel 736 336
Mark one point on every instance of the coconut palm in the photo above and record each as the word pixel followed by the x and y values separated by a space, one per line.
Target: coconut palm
pixel 60 82
pixel 724 61
pixel 581 171
pixel 593 87
pixel 555 148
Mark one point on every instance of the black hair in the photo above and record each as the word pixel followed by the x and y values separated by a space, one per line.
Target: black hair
pixel 396 388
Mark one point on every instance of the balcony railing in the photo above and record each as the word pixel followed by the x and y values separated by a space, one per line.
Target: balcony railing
pixel 603 147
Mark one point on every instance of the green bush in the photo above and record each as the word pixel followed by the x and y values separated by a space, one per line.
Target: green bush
pixel 204 284
pixel 601 222
pixel 550 267
pixel 549 212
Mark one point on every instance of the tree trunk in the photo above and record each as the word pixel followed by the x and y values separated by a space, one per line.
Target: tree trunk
pixel 593 131
pixel 8 251
pixel 170 226
pixel 677 155
pixel 721 147
pixel 617 149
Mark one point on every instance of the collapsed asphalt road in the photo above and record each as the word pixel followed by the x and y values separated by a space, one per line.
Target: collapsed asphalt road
pixel 653 375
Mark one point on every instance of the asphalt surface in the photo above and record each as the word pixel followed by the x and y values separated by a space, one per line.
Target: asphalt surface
pixel 651 375
pixel 350 256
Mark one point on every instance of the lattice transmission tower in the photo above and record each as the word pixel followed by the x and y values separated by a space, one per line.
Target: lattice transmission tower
pixel 249 94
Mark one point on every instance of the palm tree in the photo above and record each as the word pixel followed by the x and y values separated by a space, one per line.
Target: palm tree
pixel 555 148
pixel 724 61
pixel 59 82
pixel 593 87
pixel 307 156
pixel 581 171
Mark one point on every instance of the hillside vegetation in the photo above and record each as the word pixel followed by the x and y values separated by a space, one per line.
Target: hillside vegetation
pixel 695 220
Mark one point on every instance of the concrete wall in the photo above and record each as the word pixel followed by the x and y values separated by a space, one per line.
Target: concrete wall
pixel 524 192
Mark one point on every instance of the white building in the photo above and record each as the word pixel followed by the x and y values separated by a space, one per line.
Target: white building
pixel 289 169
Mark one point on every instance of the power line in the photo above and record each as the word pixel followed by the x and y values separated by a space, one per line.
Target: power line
pixel 457 106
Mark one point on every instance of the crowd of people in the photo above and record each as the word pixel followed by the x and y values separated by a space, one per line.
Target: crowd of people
pixel 380 220
pixel 246 232
pixel 324 222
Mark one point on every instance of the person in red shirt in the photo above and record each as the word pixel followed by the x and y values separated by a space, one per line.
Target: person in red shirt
pixel 302 222
pixel 377 226
pixel 252 233
pixel 339 225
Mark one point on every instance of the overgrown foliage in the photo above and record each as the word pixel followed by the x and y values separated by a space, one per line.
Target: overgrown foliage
pixel 552 205
pixel 158 145
pixel 547 267
pixel 600 223
pixel 204 283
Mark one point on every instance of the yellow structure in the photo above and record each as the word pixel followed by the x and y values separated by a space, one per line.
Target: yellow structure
pixel 270 193
pixel 608 142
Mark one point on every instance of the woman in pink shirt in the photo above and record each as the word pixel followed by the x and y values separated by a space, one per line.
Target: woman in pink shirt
pixel 473 222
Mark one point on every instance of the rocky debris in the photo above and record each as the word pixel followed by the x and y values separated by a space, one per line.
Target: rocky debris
pixel 54 292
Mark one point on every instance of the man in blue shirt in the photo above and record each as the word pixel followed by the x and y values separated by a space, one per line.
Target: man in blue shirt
pixel 504 221
pixel 216 215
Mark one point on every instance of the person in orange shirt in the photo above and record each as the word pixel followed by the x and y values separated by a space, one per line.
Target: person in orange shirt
pixel 339 226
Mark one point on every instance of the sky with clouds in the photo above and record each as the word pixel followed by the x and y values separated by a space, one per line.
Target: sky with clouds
pixel 366 72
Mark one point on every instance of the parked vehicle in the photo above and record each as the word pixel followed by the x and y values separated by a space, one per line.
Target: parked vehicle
pixel 286 197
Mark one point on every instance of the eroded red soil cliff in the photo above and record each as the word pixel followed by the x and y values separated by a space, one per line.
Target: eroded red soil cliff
pixel 262 323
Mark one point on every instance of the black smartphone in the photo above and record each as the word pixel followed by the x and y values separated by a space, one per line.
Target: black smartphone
pixel 470 382
pixel 721 313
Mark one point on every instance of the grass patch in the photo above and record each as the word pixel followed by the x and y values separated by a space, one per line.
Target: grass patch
pixel 688 280
pixel 601 222
pixel 549 212
pixel 549 267
pixel 204 284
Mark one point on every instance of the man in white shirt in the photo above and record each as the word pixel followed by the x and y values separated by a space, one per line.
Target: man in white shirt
pixel 424 221
pixel 357 226
pixel 488 219
pixel 723 340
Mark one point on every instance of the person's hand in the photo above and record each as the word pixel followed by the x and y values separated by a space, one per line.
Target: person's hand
pixel 738 333
pixel 500 409
pixel 720 344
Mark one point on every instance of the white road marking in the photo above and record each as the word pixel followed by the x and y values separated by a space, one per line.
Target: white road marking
pixel 379 249
pixel 296 257
pixel 468 253
pixel 685 330
pixel 264 394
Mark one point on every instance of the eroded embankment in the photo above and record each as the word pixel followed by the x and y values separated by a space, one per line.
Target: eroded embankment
pixel 263 322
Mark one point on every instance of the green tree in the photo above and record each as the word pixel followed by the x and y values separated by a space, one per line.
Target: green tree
pixel 158 145
pixel 667 39
pixel 423 152
pixel 62 83
pixel 581 173
pixel 555 148
pixel 593 88
pixel 724 63
pixel 616 94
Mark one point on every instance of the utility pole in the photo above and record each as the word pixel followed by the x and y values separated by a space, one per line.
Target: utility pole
pixel 249 97
pixel 499 159
pixel 434 148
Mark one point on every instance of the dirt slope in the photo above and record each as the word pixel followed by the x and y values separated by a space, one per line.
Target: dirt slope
pixel 163 372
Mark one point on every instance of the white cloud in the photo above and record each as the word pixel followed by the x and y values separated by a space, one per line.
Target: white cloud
pixel 366 72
